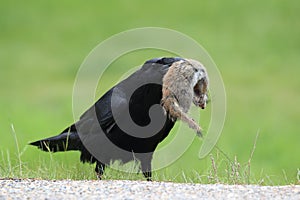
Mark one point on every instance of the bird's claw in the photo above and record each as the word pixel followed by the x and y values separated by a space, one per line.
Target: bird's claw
pixel 99 176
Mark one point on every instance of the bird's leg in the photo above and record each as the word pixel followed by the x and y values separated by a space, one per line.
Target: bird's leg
pixel 100 167
pixel 148 175
pixel 146 167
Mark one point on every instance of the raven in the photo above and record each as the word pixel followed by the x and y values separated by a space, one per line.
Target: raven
pixel 172 83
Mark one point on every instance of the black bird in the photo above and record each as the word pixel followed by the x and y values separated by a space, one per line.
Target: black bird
pixel 99 134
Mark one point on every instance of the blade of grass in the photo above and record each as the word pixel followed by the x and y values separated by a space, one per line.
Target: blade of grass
pixel 18 149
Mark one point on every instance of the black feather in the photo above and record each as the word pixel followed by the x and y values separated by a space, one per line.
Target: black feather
pixel 100 115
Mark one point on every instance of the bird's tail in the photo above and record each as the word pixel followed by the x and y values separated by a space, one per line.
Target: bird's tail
pixel 68 140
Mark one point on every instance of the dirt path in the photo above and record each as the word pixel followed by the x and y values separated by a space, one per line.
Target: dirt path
pixel 67 189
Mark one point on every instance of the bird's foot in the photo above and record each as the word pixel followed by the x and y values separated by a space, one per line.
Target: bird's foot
pixel 99 176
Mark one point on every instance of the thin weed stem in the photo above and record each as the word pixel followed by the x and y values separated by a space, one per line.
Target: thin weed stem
pixel 251 156
pixel 18 149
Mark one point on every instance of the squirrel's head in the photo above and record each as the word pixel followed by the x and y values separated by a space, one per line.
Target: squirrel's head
pixel 199 83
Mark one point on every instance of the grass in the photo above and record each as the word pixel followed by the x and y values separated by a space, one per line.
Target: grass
pixel 222 169
pixel 255 44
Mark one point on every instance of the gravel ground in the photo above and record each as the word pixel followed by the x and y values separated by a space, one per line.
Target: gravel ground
pixel 68 189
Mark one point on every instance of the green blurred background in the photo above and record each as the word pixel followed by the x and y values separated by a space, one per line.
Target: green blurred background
pixel 255 44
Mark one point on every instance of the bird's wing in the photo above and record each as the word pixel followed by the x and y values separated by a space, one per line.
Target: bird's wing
pixel 138 91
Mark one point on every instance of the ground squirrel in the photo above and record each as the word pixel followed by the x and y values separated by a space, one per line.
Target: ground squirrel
pixel 185 82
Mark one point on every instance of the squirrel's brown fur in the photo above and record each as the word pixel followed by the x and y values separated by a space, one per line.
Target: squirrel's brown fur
pixel 185 82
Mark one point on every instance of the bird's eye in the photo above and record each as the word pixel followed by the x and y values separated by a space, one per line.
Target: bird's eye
pixel 195 70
